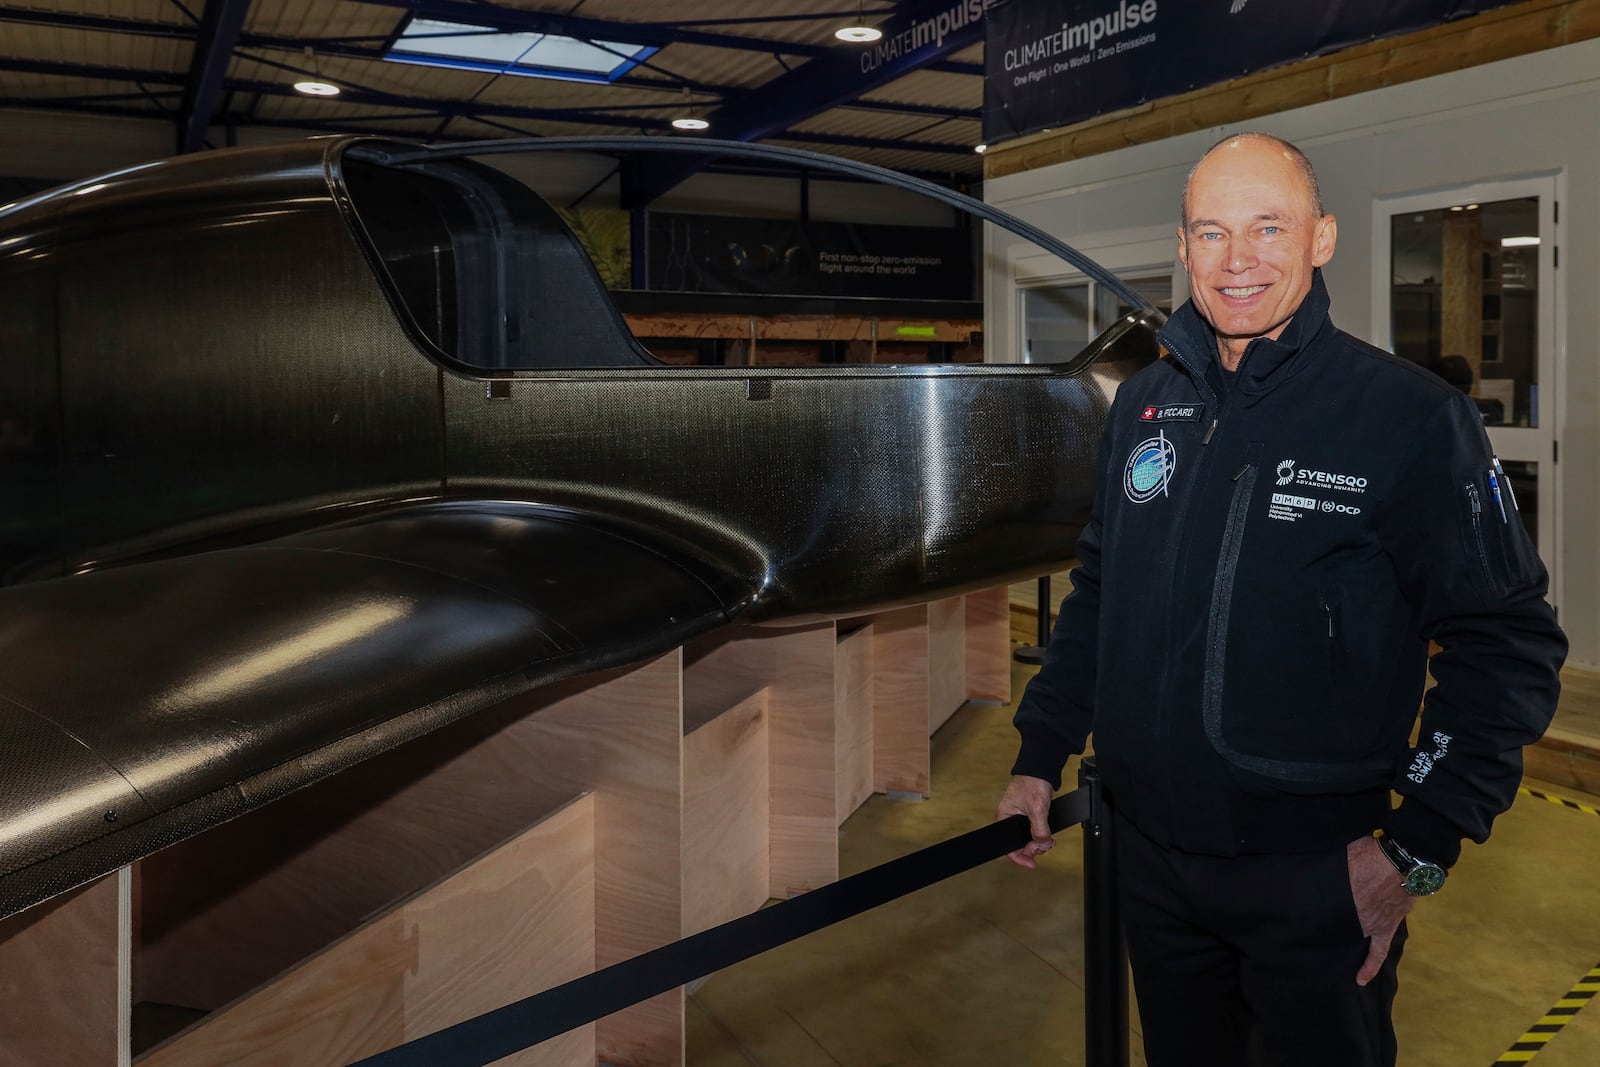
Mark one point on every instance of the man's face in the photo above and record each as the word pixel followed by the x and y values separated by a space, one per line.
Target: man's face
pixel 1252 241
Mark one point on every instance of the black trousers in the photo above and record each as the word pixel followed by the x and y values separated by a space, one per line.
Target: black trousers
pixel 1251 960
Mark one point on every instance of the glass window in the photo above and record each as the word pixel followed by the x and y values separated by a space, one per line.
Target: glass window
pixel 1055 322
pixel 1059 320
pixel 1464 301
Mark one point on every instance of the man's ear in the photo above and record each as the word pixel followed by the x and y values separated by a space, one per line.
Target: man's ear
pixel 1324 240
pixel 1183 249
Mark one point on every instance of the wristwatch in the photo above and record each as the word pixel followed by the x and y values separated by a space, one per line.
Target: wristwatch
pixel 1419 876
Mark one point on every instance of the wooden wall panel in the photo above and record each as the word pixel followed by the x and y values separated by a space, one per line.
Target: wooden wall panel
pixel 509 924
pixel 63 979
pixel 989 645
pixel 726 813
pixel 947 659
pixel 852 702
pixel 900 701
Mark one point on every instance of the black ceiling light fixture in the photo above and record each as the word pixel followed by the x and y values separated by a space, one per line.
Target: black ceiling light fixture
pixel 860 32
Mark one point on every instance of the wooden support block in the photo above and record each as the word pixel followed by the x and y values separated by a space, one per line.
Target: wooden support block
pixel 1564 759
pixel 513 922
pixel 623 740
pixel 852 740
pixel 229 909
pixel 726 816
pixel 796 666
pixel 989 645
pixel 64 979
pixel 947 659
pixel 900 716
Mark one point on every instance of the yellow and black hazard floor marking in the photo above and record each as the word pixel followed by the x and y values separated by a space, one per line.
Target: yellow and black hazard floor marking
pixel 1573 1001
pixel 1539 1034
pixel 1560 802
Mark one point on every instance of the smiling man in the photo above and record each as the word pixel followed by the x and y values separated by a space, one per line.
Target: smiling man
pixel 1285 518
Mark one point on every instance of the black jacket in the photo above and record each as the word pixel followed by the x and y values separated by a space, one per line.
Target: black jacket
pixel 1265 564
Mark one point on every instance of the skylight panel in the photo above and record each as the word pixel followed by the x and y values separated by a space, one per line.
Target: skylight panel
pixel 536 55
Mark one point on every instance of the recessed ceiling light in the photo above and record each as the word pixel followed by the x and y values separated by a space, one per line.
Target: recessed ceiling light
pixel 311 88
pixel 1518 242
pixel 858 34
pixel 981 149
pixel 690 124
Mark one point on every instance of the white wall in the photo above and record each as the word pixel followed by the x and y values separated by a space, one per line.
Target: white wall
pixel 1534 115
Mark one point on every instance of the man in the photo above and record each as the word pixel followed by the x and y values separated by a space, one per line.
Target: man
pixel 1285 518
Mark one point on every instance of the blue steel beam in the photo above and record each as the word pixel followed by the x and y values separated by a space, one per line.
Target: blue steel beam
pixel 426 107
pixel 917 34
pixel 656 34
pixel 219 33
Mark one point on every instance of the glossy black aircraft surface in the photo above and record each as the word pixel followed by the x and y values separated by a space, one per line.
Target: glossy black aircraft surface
pixel 307 450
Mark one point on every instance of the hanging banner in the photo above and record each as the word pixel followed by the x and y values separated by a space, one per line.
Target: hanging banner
pixel 714 254
pixel 1051 63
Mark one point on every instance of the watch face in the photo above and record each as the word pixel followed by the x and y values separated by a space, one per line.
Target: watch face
pixel 1424 880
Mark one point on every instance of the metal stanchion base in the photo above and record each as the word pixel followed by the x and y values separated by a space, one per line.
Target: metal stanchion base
pixel 1035 653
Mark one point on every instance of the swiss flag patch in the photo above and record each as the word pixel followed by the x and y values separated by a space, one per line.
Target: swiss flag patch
pixel 1149 414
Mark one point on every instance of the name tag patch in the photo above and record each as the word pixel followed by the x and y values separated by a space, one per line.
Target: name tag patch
pixel 1172 413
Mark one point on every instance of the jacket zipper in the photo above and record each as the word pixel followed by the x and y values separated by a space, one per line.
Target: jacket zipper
pixel 1216 656
pixel 1477 533
pixel 1244 481
pixel 1204 389
pixel 1327 609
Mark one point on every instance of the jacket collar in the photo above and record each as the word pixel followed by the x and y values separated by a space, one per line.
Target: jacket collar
pixel 1266 363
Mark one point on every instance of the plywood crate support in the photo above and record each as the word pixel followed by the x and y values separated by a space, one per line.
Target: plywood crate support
pixel 852 736
pixel 709 779
pixel 796 667
pixel 726 815
pixel 624 741
pixel 227 910
pixel 947 659
pixel 900 713
pixel 507 925
pixel 988 650
pixel 64 978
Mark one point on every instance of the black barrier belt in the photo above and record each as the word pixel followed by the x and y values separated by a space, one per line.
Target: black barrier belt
pixel 498 1033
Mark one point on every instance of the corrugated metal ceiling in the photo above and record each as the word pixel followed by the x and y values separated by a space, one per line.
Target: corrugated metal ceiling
pixel 135 57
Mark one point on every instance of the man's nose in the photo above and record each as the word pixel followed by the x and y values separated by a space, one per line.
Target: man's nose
pixel 1240 257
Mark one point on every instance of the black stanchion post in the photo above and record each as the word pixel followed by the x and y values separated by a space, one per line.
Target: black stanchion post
pixel 1035 653
pixel 1105 953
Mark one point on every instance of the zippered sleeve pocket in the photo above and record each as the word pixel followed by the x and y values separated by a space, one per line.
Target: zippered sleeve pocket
pixel 1496 543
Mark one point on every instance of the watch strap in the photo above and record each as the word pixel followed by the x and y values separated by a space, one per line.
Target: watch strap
pixel 1419 876
pixel 1403 861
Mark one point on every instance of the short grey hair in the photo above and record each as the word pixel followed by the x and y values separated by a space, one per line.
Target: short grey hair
pixel 1306 170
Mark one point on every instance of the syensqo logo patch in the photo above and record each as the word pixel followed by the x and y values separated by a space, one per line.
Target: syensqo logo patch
pixel 1149 469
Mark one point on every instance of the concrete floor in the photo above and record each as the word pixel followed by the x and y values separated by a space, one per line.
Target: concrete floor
pixel 983 969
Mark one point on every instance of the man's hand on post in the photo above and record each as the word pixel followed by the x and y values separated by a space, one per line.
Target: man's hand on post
pixel 1381 901
pixel 1031 797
